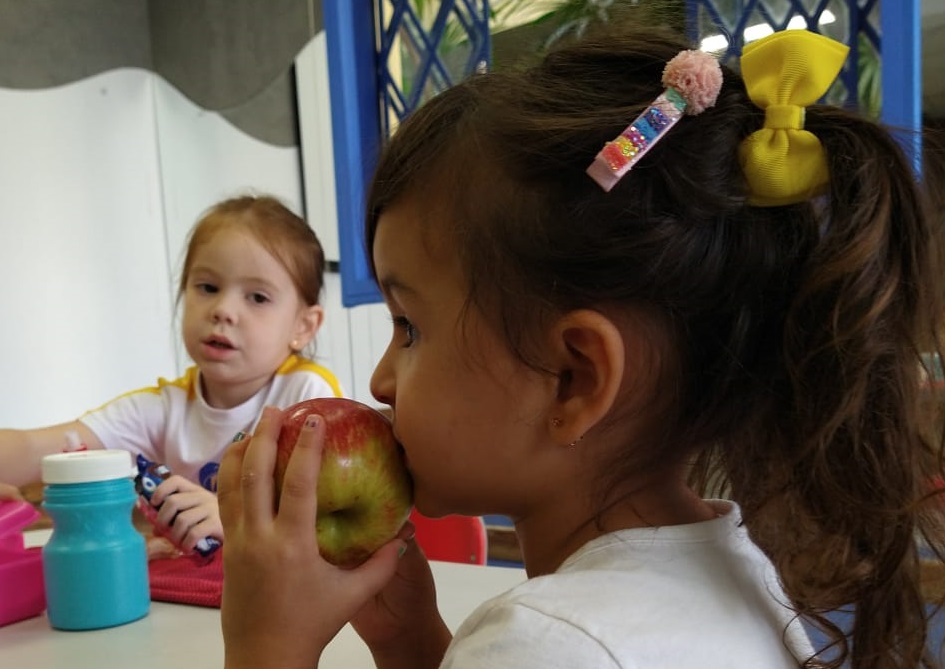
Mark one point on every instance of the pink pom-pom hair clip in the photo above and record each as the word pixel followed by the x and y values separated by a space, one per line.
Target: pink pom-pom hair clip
pixel 692 80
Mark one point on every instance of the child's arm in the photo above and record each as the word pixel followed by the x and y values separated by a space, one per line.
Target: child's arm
pixel 282 603
pixel 22 451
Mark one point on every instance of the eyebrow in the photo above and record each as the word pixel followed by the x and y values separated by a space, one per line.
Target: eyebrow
pixel 253 280
pixel 391 284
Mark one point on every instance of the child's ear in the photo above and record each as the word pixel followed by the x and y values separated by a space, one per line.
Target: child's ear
pixel 307 325
pixel 590 357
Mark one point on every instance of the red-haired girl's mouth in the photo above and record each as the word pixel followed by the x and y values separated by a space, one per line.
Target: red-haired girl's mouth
pixel 219 342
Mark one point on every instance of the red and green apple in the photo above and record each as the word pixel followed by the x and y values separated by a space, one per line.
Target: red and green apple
pixel 364 489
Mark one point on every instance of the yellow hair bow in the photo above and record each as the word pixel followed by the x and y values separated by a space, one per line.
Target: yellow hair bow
pixel 784 73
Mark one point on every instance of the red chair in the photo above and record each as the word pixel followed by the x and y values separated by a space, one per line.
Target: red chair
pixel 451 538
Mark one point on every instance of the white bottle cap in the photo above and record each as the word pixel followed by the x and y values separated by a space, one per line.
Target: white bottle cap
pixel 87 466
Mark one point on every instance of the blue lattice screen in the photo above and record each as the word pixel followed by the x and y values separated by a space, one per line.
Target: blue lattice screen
pixel 725 26
pixel 424 47
pixel 421 47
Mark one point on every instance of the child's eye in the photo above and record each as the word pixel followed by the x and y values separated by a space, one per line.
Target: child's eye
pixel 401 323
pixel 204 287
pixel 259 298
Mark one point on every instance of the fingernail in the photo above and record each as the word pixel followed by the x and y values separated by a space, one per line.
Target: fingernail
pixel 401 551
pixel 238 436
pixel 312 421
pixel 407 532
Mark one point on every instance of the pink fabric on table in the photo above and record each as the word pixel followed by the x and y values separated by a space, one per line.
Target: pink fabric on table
pixel 188 579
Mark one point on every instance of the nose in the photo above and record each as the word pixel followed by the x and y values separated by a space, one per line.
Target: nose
pixel 223 309
pixel 382 380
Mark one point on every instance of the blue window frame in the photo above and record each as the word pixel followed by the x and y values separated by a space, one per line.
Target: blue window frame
pixel 386 59
pixel 902 94
pixel 368 97
pixel 355 118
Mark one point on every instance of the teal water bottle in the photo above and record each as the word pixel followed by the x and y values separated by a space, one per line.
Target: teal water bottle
pixel 95 564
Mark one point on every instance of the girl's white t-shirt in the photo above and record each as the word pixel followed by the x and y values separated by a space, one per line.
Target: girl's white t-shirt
pixel 171 423
pixel 699 596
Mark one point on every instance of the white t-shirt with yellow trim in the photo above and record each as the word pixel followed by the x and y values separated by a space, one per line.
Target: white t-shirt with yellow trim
pixel 171 423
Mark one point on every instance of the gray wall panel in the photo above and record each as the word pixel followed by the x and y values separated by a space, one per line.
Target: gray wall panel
pixel 230 56
pixel 272 115
pixel 221 53
pixel 45 43
pixel 236 57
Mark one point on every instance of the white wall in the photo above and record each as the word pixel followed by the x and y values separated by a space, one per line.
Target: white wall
pixel 84 308
pixel 100 181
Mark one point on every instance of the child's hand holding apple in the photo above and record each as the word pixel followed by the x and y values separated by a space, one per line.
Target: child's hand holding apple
pixel 282 600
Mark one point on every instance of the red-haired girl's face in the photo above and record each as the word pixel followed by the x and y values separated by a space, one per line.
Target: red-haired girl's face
pixel 242 316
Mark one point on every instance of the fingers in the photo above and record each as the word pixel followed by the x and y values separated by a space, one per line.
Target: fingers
pixel 10 492
pixel 380 567
pixel 188 517
pixel 173 507
pixel 256 476
pixel 298 501
pixel 191 513
pixel 229 495
pixel 370 578
pixel 174 484
pixel 407 532
pixel 209 527
pixel 189 528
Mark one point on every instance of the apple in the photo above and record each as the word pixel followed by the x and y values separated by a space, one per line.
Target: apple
pixel 364 489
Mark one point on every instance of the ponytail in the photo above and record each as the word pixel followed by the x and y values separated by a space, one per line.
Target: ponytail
pixel 847 475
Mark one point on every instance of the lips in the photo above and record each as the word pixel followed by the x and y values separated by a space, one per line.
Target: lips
pixel 217 348
pixel 219 342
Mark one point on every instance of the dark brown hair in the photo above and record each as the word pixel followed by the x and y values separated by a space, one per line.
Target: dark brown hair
pixel 790 337
pixel 287 237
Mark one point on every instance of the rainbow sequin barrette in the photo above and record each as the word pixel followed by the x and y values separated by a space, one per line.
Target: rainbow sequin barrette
pixel 693 80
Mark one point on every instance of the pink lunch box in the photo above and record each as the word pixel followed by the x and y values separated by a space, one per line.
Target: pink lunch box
pixel 22 594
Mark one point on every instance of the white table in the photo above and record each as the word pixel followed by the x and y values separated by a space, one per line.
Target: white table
pixel 189 637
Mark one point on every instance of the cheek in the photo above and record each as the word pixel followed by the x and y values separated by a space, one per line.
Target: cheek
pixel 420 431
pixel 188 320
pixel 277 330
pixel 190 308
pixel 439 436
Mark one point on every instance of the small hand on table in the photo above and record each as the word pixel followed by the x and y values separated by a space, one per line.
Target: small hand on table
pixel 10 493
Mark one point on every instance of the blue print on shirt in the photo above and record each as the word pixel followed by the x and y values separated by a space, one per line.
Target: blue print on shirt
pixel 208 476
